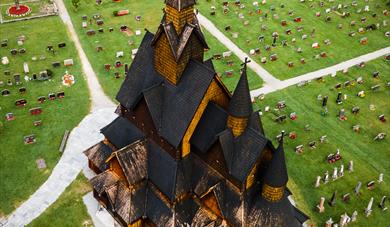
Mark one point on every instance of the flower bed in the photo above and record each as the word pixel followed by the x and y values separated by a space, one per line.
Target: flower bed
pixel 23 10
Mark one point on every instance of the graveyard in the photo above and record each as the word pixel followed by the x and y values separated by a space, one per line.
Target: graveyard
pixel 297 37
pixel 370 157
pixel 35 113
pixel 335 128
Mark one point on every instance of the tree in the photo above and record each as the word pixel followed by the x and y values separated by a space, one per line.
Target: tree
pixel 76 3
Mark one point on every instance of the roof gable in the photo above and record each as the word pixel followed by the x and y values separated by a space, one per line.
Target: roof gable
pixel 178 42
pixel 133 161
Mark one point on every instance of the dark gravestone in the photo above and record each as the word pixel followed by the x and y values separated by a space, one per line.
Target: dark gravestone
pixel 56 64
pixel 62 45
pixel 61 94
pixel 332 201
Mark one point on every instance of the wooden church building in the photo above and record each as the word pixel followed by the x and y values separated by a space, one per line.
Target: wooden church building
pixel 183 151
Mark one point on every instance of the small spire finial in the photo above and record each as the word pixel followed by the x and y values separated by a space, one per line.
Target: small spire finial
pixel 246 61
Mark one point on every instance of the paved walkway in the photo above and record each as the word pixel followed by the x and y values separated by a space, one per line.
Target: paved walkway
pixel 332 70
pixel 98 98
pixel 268 79
pixel 86 134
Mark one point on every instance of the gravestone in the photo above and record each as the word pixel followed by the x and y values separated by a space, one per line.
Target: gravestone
pixel 368 210
pixel 382 204
pixel 332 201
pixel 320 206
pixel 41 164
pixel 326 177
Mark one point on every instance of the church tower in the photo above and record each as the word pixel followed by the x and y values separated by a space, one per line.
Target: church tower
pixel 178 39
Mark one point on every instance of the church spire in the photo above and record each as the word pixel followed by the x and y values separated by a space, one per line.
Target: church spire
pixel 240 106
pixel 275 179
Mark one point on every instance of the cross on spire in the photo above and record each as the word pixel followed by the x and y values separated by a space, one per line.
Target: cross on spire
pixel 246 61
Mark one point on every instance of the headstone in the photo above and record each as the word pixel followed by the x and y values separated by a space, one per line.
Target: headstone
pixel 30 139
pixel 9 117
pixel 342 116
pixel 380 179
pixel 339 100
pixel 382 204
pixel 35 111
pixel 371 185
pixel 357 188
pixel 324 101
pixel 320 206
pixel 346 197
pixel 329 223
pixel 350 166
pixel 368 210
pixel 318 181
pixel 326 177
pixel 41 163
pixel 332 201
pixel 335 175
pixel 68 62
pixel 344 220
pixel 354 216
pixel 341 172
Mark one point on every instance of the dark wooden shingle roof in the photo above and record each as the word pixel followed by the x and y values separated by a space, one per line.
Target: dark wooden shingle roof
pixel 121 132
pixel 98 154
pixel 133 161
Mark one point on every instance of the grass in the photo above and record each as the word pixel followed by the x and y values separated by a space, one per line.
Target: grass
pixel 19 174
pixel 370 157
pixel 112 42
pixel 69 209
pixel 342 48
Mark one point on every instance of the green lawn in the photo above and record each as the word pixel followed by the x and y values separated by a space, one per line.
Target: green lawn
pixel 112 42
pixel 342 48
pixel 69 209
pixel 370 157
pixel 19 175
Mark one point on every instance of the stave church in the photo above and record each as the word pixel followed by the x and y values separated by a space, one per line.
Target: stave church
pixel 183 151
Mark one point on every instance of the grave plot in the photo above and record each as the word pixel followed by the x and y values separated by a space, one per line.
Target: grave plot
pixel 297 37
pixel 39 101
pixel 15 10
pixel 335 138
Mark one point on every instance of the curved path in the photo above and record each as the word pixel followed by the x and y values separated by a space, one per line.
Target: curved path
pixel 271 83
pixel 86 134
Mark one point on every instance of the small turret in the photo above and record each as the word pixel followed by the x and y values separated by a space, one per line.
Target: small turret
pixel 240 106
pixel 275 179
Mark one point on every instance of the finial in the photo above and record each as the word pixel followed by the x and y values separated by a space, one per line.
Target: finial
pixel 246 61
